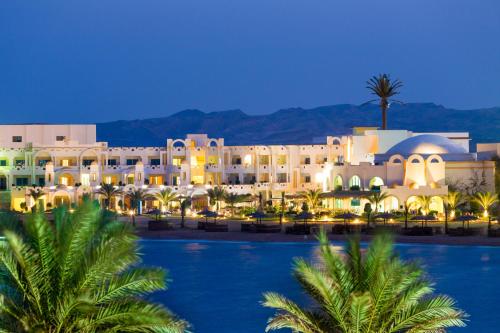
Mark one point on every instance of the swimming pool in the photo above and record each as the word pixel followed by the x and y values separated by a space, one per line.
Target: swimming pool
pixel 217 286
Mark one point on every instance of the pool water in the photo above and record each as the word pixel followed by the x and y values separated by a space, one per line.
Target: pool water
pixel 218 286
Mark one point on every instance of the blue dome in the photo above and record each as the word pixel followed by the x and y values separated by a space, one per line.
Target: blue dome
pixel 426 144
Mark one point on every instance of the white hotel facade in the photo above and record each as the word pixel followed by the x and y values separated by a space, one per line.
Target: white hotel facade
pixel 67 162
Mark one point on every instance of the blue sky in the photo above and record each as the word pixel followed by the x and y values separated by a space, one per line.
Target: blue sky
pixel 98 60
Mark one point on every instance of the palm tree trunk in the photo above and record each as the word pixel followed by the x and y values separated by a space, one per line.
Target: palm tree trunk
pixel 445 221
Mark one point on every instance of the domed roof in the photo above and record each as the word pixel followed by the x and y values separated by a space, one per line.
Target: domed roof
pixel 426 144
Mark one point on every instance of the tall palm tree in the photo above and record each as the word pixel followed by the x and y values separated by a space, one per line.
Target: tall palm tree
pixel 36 194
pixel 184 203
pixel 376 198
pixel 362 292
pixel 108 191
pixel 165 197
pixel 384 88
pixel 79 273
pixel 486 201
pixel 313 198
pixel 231 199
pixel 282 207
pixel 216 195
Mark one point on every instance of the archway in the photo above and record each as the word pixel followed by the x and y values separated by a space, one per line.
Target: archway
pixel 62 199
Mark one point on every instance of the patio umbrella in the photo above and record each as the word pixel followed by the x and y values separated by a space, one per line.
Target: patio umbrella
pixel 385 216
pixel 304 215
pixel 207 213
pixel 466 218
pixel 258 215
pixel 346 216
pixel 156 213
pixel 423 218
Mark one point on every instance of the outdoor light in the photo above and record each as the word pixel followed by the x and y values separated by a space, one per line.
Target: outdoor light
pixel 485 213
pixel 131 212
pixel 163 210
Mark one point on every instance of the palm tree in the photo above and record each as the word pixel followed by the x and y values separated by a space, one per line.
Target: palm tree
pixel 79 273
pixel 184 203
pixel 450 202
pixel 216 195
pixel 407 206
pixel 376 198
pixel 165 197
pixel 137 196
pixel 486 201
pixel 313 198
pixel 231 199
pixel 453 200
pixel 282 206
pixel 36 194
pixel 425 203
pixel 384 88
pixel 108 191
pixel 362 292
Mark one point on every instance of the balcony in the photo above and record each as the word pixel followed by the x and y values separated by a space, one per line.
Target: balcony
pixel 213 168
pixel 245 168
pixel 155 168
pixel 239 189
pixel 264 168
pixel 280 186
pixel 281 168
pixel 262 186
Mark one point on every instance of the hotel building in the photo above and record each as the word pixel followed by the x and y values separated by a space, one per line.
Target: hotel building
pixel 67 162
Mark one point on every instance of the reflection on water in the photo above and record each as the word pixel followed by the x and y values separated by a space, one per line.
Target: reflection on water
pixel 224 281
pixel 195 247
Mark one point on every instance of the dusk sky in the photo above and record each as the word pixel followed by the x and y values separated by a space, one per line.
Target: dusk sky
pixel 98 60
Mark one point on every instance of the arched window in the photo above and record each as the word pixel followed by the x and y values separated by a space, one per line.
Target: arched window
pixel 355 183
pixel 415 161
pixel 338 183
pixel 375 183
pixel 178 144
pixel 396 161
pixel 434 160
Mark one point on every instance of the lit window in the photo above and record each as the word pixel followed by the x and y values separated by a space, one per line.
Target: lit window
pixel 65 163
pixel 177 161
pixel 63 181
pixel 85 178
pixel 247 160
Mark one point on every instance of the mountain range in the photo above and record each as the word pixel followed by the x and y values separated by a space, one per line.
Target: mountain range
pixel 300 126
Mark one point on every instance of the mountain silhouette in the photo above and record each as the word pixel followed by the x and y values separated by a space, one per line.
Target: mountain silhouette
pixel 300 126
